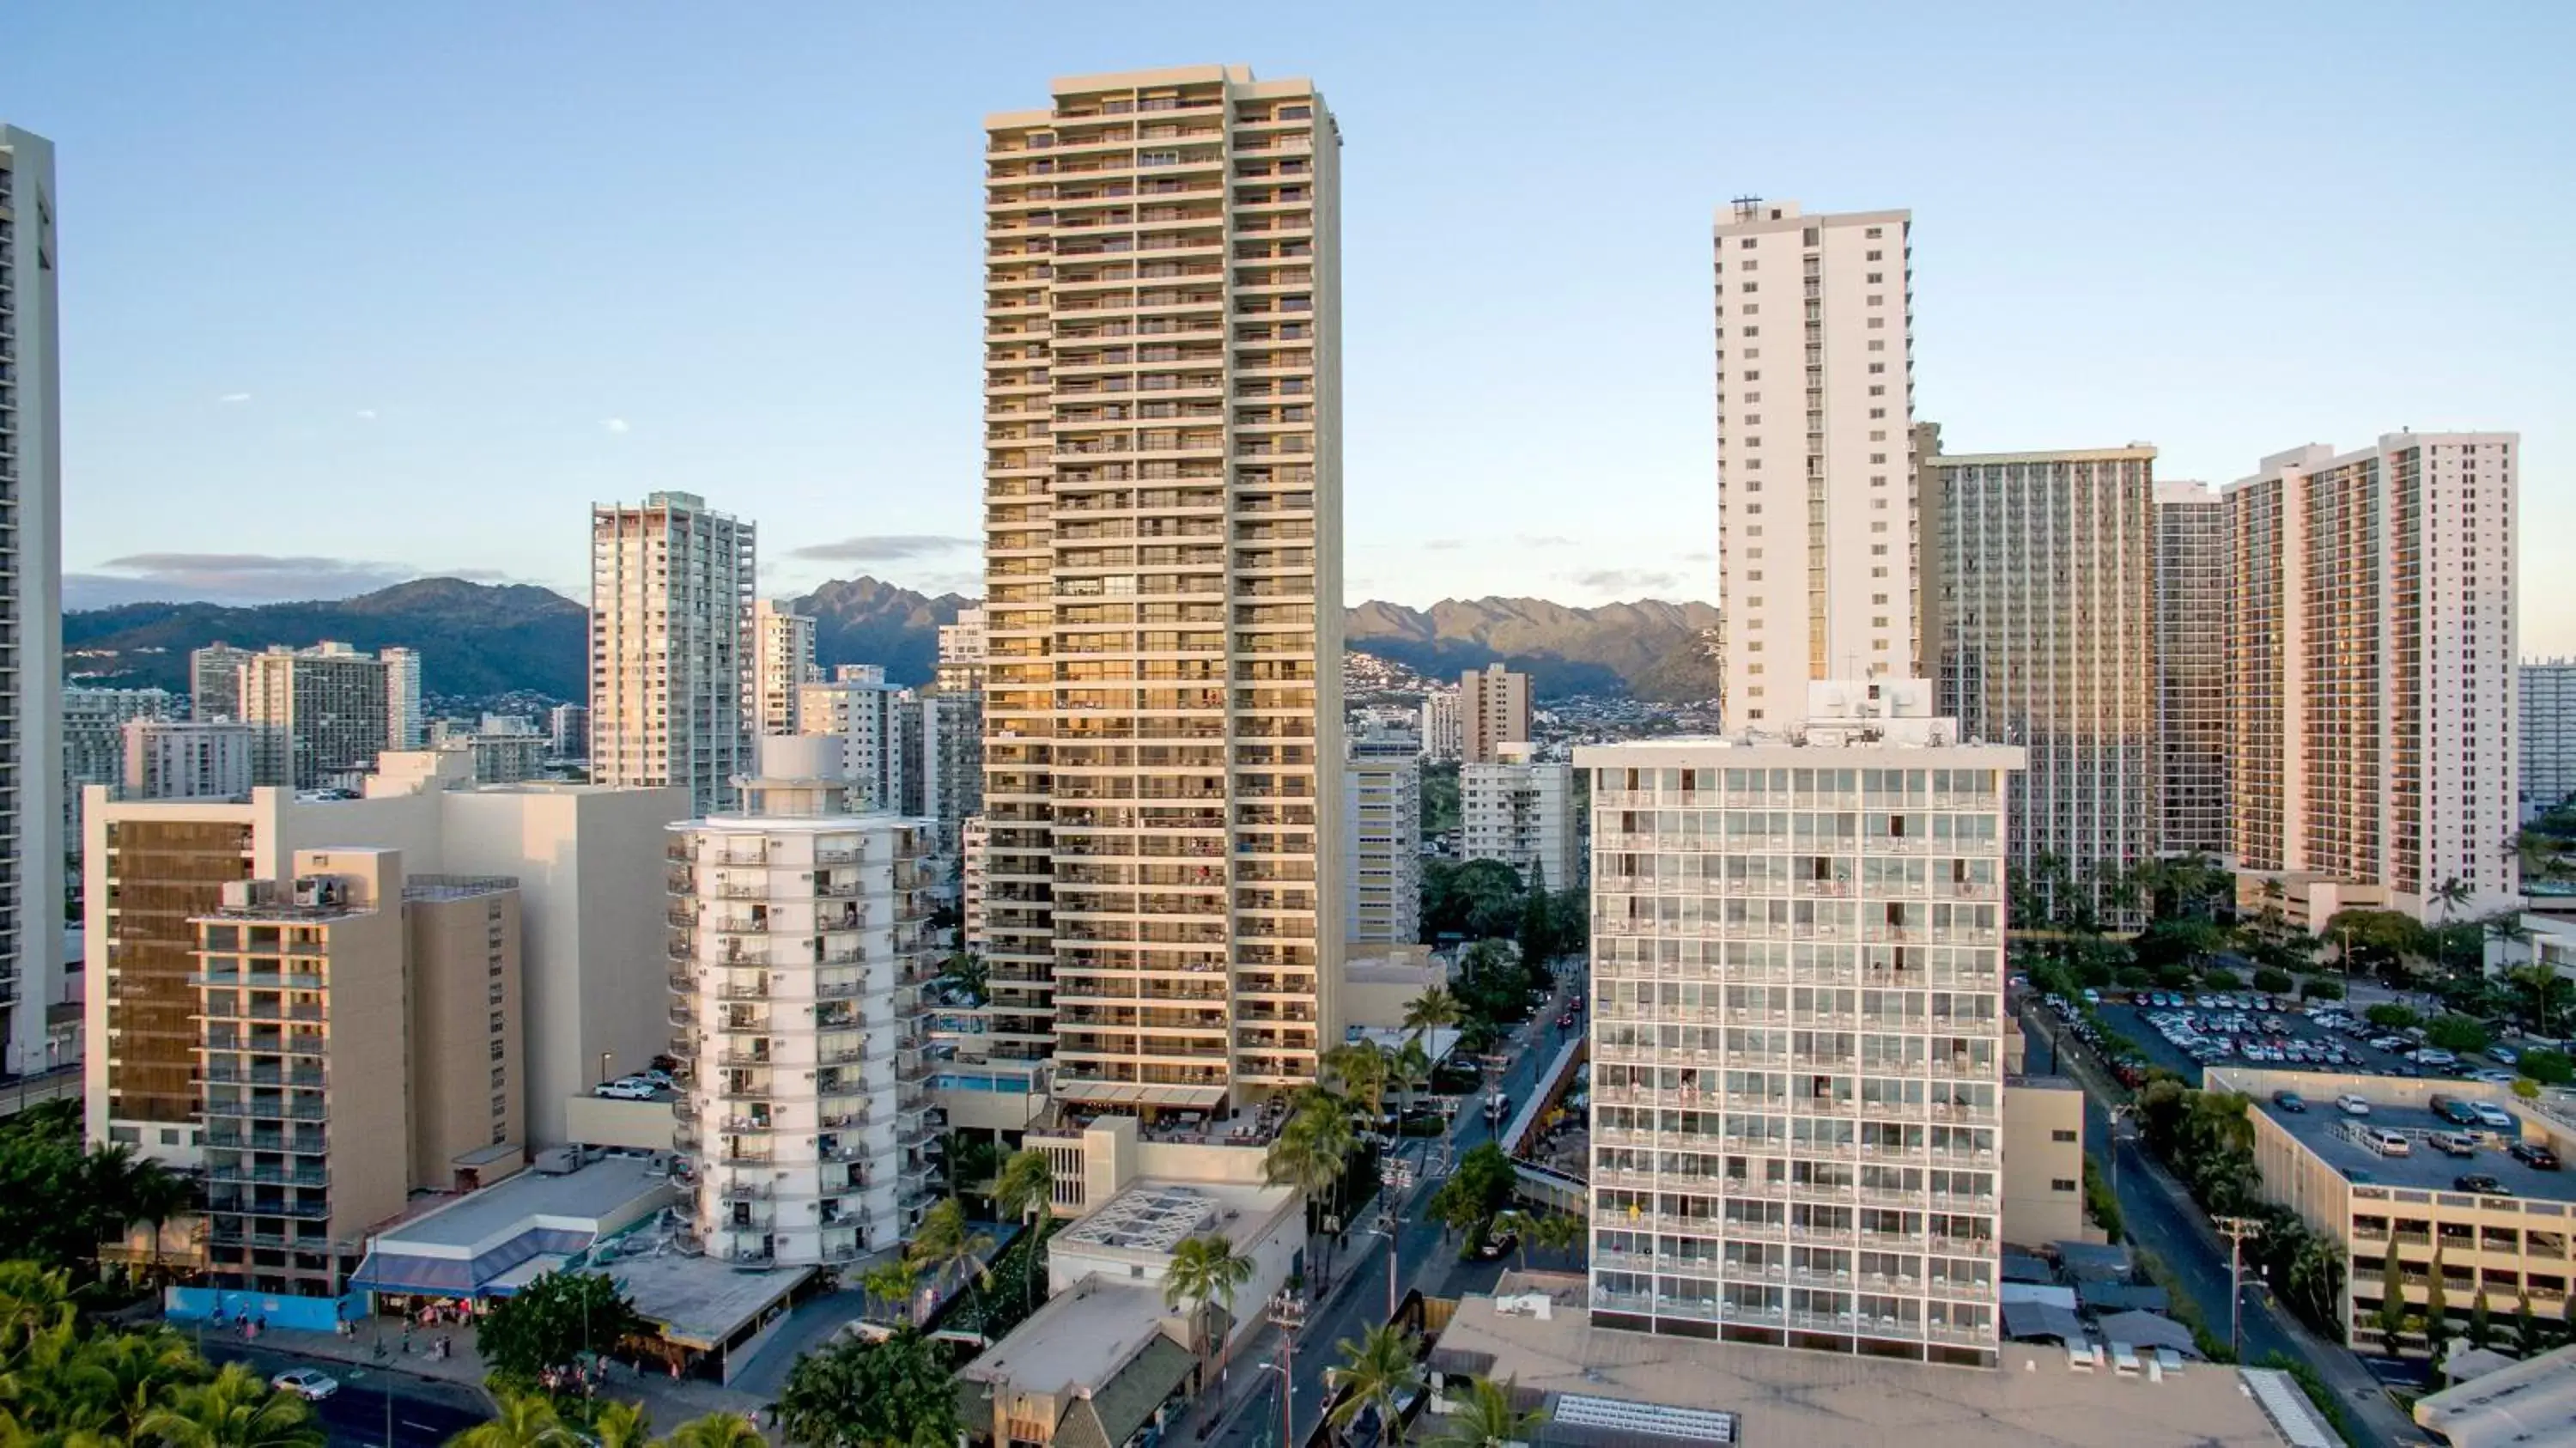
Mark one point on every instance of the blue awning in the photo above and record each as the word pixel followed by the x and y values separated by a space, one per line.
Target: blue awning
pixel 395 1271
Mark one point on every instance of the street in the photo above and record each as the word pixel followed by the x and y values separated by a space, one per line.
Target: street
pixel 1428 1260
pixel 424 1412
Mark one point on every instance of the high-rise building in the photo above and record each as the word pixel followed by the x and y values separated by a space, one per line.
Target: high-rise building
pixel 309 988
pixel 1798 1032
pixel 1163 752
pixel 962 654
pixel 214 681
pixel 670 660
pixel 590 865
pixel 1493 710
pixel 94 723
pixel 1519 809
pixel 31 573
pixel 1444 732
pixel 971 872
pixel 1382 824
pixel 323 714
pixel 1815 409
pixel 187 759
pixel 2046 612
pixel 782 660
pixel 404 726
pixel 2191 665
pixel 2370 669
pixel 800 959
pixel 2548 735
pixel 568 731
pixel 863 711
pixel 950 765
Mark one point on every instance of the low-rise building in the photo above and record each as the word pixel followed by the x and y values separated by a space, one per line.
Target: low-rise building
pixel 2043 1160
pixel 2533 1401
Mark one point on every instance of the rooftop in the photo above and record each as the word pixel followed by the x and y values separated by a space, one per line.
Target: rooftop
pixel 2325 1131
pixel 580 1199
pixel 1153 1216
pixel 456 887
pixel 2530 1402
pixel 1077 1339
pixel 701 1301
pixel 1826 1400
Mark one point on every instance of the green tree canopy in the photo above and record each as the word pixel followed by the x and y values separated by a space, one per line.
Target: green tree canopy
pixel 854 1393
pixel 551 1323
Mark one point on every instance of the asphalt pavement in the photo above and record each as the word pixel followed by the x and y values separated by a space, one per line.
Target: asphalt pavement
pixel 422 1412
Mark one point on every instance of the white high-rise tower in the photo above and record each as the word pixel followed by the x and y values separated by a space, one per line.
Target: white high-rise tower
pixel 670 627
pixel 31 543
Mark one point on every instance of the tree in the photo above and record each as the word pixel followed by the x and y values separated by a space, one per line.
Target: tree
pixel 2437 1311
pixel 893 1282
pixel 621 1424
pixel 969 973
pixel 1537 933
pixel 2541 994
pixel 2550 1068
pixel 1479 1189
pixel 1375 1372
pixel 2456 1033
pixel 2315 1281
pixel 1311 1151
pixel 236 1410
pixel 2526 1329
pixel 859 1394
pixel 1410 1069
pixel 526 1420
pixel 1434 1009
pixel 134 1375
pixel 1477 899
pixel 548 1326
pixel 2481 1324
pixel 2388 1015
pixel 1487 1416
pixel 717 1430
pixel 1361 1069
pixel 1206 1272
pixel 2377 936
pixel 946 1248
pixel 1560 1232
pixel 2392 1298
pixel 2273 982
pixel 1026 1190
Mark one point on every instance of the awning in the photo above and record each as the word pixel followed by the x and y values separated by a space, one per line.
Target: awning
pixel 2035 1321
pixel 2145 1329
pixel 1139 1093
pixel 394 1271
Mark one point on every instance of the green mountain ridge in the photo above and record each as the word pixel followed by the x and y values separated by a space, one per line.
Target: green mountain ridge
pixel 487 639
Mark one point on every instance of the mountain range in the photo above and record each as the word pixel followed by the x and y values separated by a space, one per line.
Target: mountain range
pixel 484 640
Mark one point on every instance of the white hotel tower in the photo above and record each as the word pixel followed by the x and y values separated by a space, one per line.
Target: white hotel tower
pixel 798 954
pixel 1798 929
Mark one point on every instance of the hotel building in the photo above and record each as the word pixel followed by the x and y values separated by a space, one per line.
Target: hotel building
pixel 31 569
pixel 1163 577
pixel 782 660
pixel 1493 710
pixel 670 667
pixel 2191 665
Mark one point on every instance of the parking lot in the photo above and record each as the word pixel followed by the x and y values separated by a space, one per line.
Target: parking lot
pixel 2185 1032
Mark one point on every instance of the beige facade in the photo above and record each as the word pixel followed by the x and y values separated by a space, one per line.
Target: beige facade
pixel 860 709
pixel 1798 1033
pixel 186 759
pixel 31 569
pixel 2370 667
pixel 2191 665
pixel 1163 570
pixel 1382 825
pixel 2046 569
pixel 322 714
pixel 467 1036
pixel 1816 479
pixel 2043 1161
pixel 670 646
pixel 1493 710
pixel 782 659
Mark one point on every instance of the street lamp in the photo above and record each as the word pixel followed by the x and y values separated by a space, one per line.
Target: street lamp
pixel 1283 1396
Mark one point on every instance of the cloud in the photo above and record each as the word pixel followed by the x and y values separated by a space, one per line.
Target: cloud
pixel 615 425
pixel 1543 540
pixel 243 578
pixel 1623 580
pixel 881 548
pixel 1442 545
pixel 1699 557
pixel 231 397
pixel 366 414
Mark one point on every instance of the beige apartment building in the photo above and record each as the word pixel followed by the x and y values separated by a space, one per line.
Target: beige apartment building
pixel 31 569
pixel 1493 710
pixel 2370 673
pixel 323 714
pixel 1163 567
pixel 1382 823
pixel 2191 665
pixel 670 646
pixel 2046 609
pixel 187 759
pixel 1815 409
pixel 356 1045
pixel 782 659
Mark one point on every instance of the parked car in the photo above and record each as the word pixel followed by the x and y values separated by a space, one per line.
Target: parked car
pixel 2351 1105
pixel 2453 1143
pixel 310 1384
pixel 2534 1155
pixel 2492 1116
pixel 2482 1184
pixel 629 1090
pixel 2389 1143
pixel 2290 1101
pixel 2453 1110
pixel 2504 1055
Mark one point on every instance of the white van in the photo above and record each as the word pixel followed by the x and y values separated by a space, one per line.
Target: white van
pixel 2389 1143
pixel 2351 1105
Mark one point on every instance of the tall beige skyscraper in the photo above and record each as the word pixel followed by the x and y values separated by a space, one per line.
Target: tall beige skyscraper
pixel 1815 405
pixel 31 571
pixel 670 627
pixel 1493 710
pixel 2191 665
pixel 1163 503
pixel 782 659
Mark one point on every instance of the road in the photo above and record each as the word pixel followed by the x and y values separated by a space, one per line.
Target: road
pixel 2159 1216
pixel 424 1412
pixel 1428 1259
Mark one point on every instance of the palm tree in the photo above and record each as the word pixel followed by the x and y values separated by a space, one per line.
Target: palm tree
pixel 1205 1271
pixel 32 1300
pixel 1311 1152
pixel 154 1196
pixel 2543 992
pixel 1410 1069
pixel 946 1247
pixel 1374 1372
pixel 1486 1418
pixel 1026 1189
pixel 1560 1231
pixel 716 1430
pixel 2316 1280
pixel 1434 1009
pixel 237 1410
pixel 893 1282
pixel 138 1374
pixel 1361 1067
pixel 621 1424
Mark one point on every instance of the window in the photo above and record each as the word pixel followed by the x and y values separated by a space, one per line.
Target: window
pixel 2061 1184
pixel 1873 234
pixel 2061 1135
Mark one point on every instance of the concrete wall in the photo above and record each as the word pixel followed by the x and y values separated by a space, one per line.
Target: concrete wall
pixel 599 1121
pixel 370 1160
pixel 2043 1147
pixel 460 981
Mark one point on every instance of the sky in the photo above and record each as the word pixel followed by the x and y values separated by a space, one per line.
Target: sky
pixel 359 293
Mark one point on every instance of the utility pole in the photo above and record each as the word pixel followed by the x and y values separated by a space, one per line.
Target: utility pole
pixel 1288 1311
pixel 2236 1230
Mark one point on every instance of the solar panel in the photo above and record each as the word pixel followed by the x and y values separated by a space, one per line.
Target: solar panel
pixel 1698 1425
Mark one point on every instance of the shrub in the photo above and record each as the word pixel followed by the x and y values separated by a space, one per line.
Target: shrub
pixel 2273 982
pixel 2318 988
pixel 2547 1067
pixel 2390 1016
pixel 2457 1033
pixel 2222 980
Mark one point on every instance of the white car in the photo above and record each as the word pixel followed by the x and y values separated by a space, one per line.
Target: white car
pixel 624 1090
pixel 310 1384
pixel 2351 1105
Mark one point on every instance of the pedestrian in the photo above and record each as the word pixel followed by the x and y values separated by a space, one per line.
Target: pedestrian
pixel 675 1370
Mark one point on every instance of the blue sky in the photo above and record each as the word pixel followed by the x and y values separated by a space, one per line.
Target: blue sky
pixel 357 292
